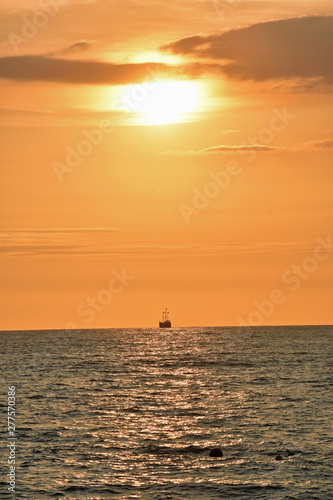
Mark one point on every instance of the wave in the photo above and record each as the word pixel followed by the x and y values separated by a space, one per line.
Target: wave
pixel 167 450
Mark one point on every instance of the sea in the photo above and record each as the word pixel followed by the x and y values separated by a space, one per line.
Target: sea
pixel 134 413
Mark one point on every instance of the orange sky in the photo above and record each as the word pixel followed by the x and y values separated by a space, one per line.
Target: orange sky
pixel 166 154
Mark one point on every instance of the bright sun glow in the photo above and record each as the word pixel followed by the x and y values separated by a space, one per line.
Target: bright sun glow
pixel 167 101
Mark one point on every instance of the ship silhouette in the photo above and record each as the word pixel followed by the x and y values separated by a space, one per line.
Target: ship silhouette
pixel 165 323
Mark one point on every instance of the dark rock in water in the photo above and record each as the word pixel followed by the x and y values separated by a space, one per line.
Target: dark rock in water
pixel 290 453
pixel 216 452
pixel 278 457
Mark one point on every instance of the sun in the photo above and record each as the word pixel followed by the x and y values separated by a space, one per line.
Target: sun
pixel 163 102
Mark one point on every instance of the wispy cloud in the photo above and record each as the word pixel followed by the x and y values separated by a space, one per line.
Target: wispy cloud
pixel 222 148
pixel 58 230
pixel 229 131
pixel 74 48
pixel 246 148
pixel 104 242
pixel 314 145
pixel 56 241
pixel 301 86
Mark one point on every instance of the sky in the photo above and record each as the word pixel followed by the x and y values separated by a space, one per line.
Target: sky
pixel 166 155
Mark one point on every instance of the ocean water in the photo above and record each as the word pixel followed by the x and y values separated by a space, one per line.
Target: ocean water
pixel 133 414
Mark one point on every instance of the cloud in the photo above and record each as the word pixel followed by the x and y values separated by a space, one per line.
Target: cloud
pixel 241 148
pixel 48 69
pixel 56 241
pixel 102 243
pixel 58 230
pixel 85 242
pixel 245 148
pixel 301 86
pixel 309 146
pixel 52 117
pixel 315 145
pixel 290 48
pixel 230 131
pixel 74 47
pixel 298 50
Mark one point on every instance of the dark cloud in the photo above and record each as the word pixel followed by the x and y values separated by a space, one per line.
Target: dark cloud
pixel 298 50
pixel 48 69
pixel 290 48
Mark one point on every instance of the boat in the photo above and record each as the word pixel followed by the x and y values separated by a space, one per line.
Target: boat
pixel 165 323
